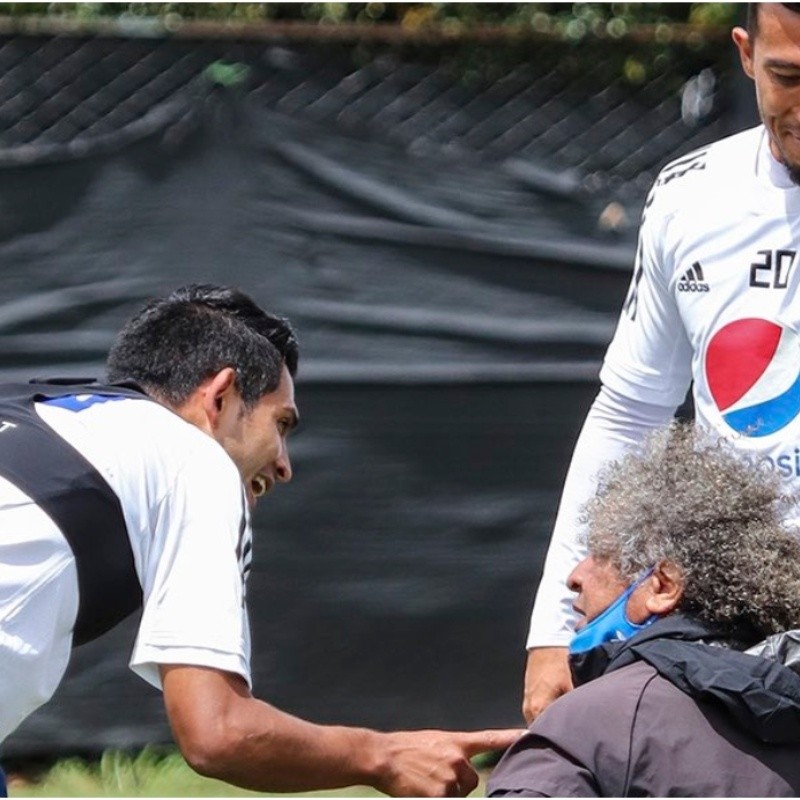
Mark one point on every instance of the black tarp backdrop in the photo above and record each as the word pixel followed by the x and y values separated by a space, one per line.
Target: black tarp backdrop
pixel 451 318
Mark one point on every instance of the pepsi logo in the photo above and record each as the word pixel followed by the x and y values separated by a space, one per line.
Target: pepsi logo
pixel 752 370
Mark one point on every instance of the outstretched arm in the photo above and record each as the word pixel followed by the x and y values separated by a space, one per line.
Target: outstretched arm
pixel 226 733
pixel 646 373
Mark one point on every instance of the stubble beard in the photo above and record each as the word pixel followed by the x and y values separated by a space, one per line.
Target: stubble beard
pixel 792 169
pixel 794 173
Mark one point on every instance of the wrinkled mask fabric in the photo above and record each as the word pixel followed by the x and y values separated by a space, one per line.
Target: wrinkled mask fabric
pixel 613 624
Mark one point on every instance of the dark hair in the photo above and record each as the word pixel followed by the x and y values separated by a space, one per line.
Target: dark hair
pixel 752 17
pixel 174 343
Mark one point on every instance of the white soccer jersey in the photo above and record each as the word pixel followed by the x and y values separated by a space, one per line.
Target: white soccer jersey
pixel 713 300
pixel 186 514
pixel 713 297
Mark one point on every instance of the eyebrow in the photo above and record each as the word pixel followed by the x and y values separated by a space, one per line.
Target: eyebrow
pixel 781 64
pixel 295 418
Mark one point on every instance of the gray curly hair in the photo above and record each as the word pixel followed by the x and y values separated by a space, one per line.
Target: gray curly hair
pixel 697 504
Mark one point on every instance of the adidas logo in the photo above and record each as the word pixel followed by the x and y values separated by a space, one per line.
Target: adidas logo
pixel 692 280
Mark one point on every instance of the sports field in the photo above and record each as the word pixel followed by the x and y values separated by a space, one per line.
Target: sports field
pixel 148 774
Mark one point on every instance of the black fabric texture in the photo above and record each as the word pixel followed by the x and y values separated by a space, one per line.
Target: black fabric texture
pixel 761 694
pixel 452 320
pixel 77 498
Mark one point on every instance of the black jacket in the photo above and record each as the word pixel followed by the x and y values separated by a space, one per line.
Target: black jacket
pixel 705 662
pixel 678 709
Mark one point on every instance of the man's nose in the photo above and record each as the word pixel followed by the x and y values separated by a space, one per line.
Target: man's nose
pixel 572 584
pixel 574 579
pixel 283 467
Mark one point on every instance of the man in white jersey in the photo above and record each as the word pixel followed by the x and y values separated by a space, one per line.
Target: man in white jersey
pixel 714 300
pixel 139 492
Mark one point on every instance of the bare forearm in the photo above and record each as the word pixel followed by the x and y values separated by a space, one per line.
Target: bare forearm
pixel 224 732
pixel 265 749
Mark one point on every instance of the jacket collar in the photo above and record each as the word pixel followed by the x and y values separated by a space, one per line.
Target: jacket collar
pixel 677 627
pixel 705 661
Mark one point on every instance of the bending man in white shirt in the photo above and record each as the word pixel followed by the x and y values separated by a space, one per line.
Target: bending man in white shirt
pixel 139 492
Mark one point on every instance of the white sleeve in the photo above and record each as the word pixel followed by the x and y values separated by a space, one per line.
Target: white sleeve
pixel 650 356
pixel 645 376
pixel 613 424
pixel 194 595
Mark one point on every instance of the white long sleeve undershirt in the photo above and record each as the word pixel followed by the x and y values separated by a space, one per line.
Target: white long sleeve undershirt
pixel 613 424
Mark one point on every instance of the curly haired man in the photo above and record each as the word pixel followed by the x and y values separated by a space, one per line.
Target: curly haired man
pixel 686 604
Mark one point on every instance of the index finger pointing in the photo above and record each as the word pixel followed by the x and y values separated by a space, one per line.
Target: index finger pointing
pixel 475 742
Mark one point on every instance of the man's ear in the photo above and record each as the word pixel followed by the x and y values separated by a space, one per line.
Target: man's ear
pixel 666 589
pixel 741 39
pixel 217 393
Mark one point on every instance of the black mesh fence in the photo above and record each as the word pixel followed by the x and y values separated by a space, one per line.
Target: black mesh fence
pixel 450 225
pixel 613 111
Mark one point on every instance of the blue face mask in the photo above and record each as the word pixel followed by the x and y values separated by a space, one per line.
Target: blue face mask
pixel 613 624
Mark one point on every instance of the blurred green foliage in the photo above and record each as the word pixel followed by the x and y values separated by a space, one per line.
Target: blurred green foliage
pixel 569 20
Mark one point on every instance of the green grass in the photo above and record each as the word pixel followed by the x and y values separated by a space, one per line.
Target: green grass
pixel 151 773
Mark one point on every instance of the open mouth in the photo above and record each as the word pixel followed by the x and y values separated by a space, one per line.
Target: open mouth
pixel 259 486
